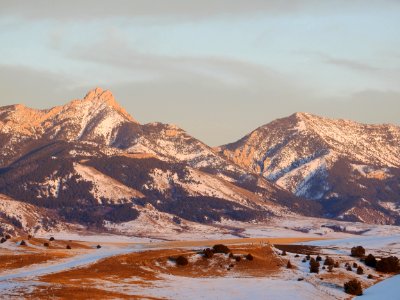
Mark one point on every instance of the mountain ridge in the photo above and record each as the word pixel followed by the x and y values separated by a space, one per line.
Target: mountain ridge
pixel 92 163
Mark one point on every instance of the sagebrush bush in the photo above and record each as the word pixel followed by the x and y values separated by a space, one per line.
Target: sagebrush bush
pixel 181 261
pixel 314 266
pixel 353 287
pixel 388 265
pixel 220 248
pixel 249 257
pixel 370 261
pixel 360 270
pixel 329 261
pixel 289 265
pixel 358 251
pixel 208 253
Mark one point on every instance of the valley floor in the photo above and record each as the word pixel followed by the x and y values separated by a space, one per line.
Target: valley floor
pixel 143 268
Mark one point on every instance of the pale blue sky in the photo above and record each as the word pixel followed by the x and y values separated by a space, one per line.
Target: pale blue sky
pixel 217 68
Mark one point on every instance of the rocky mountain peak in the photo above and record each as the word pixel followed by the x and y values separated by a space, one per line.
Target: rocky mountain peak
pixel 106 97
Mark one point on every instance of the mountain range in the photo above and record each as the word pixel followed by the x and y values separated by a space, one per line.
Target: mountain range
pixel 89 163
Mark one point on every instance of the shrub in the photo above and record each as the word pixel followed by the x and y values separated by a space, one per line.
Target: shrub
pixel 336 265
pixel 238 258
pixel 388 265
pixel 314 266
pixel 319 258
pixel 68 247
pixel 46 244
pixel 355 265
pixel 51 239
pixel 208 253
pixel 289 265
pixel 308 257
pixel 353 287
pixel 370 261
pixel 360 270
pixel 329 261
pixel 29 237
pixel 297 255
pixel 98 246
pixel 370 276
pixel 330 268
pixel 304 260
pixel 3 240
pixel 349 268
pixel 181 261
pixel 8 237
pixel 220 248
pixel 283 253
pixel 358 251
pixel 249 257
pixel 22 243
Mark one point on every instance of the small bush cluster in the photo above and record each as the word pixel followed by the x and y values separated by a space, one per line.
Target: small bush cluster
pixel 353 287
pixel 329 261
pixel 370 261
pixel 388 265
pixel 220 248
pixel 249 257
pixel 46 244
pixel 68 247
pixel 289 265
pixel 314 266
pixel 22 243
pixel 360 270
pixel 181 261
pixel 208 253
pixel 51 239
pixel 358 251
pixel 5 238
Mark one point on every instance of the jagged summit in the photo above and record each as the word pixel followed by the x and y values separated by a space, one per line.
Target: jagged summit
pixel 98 95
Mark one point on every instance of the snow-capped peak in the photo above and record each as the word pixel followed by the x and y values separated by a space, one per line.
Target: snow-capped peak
pixel 100 96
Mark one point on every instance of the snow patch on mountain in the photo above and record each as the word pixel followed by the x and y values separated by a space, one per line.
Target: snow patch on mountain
pixel 105 187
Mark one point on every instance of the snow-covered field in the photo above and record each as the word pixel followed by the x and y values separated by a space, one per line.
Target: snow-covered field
pixel 379 240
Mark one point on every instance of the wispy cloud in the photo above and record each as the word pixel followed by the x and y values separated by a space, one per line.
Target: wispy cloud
pixel 181 9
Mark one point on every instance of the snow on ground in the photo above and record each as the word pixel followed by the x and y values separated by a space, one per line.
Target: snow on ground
pixel 105 186
pixel 385 245
pixel 174 287
pixel 388 289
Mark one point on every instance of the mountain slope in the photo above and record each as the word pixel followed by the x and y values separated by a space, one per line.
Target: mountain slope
pixel 92 163
pixel 351 168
